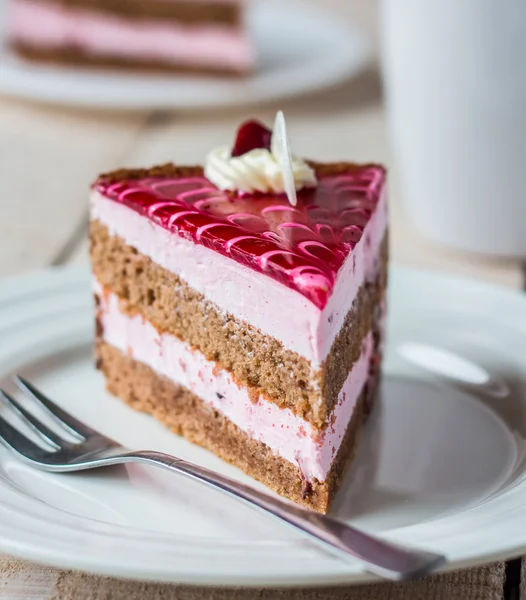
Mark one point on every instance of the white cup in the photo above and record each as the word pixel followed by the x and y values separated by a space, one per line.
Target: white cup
pixel 455 82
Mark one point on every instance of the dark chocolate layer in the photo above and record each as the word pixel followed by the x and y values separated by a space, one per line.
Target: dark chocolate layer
pixel 184 11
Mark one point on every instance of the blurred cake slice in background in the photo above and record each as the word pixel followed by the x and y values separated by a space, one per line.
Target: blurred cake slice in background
pixel 201 36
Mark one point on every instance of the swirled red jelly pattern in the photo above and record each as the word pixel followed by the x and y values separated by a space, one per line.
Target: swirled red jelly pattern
pixel 302 247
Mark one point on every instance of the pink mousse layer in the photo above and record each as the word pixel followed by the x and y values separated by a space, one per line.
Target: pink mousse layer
pixel 286 434
pixel 54 26
pixel 275 309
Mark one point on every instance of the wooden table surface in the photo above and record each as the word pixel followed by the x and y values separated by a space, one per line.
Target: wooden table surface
pixel 48 157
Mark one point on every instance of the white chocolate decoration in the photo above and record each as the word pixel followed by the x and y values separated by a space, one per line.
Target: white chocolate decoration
pixel 276 171
pixel 280 149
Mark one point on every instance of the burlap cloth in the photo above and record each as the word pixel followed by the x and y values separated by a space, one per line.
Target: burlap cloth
pixel 20 580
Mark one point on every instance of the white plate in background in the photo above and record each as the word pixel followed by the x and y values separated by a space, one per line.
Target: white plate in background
pixel 441 464
pixel 301 49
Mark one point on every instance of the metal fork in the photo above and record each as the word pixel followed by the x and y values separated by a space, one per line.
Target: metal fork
pixel 89 449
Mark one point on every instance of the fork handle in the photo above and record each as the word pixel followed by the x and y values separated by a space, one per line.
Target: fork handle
pixel 378 556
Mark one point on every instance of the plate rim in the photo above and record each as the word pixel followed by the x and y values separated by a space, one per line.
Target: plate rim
pixel 77 273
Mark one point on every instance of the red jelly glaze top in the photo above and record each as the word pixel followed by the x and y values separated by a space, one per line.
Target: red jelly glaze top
pixel 302 247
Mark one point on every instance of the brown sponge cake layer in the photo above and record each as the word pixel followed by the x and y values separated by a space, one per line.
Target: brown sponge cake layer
pixel 173 170
pixel 257 361
pixel 185 11
pixel 184 413
pixel 77 57
pixel 364 316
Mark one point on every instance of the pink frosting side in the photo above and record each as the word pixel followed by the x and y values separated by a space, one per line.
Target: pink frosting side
pixel 52 26
pixel 273 308
pixel 288 435
pixel 361 265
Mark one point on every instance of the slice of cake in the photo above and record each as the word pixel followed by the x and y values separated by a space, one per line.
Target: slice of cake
pixel 250 326
pixel 177 35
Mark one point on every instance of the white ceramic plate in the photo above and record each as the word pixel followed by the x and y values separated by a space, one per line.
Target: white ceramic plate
pixel 441 465
pixel 300 48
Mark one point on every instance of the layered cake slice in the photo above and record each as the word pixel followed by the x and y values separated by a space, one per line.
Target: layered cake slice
pixel 176 35
pixel 249 325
